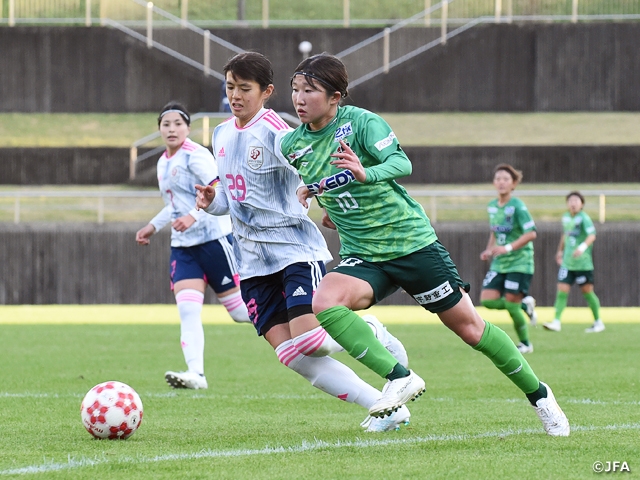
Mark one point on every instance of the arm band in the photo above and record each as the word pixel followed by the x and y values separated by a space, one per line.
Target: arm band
pixel 582 247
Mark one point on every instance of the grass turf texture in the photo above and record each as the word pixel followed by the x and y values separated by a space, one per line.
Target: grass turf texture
pixel 412 129
pixel 260 420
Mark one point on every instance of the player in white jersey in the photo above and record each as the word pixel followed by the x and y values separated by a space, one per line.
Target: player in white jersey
pixel 280 250
pixel 201 245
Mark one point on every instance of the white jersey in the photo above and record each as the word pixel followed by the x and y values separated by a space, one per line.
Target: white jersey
pixel 271 229
pixel 177 177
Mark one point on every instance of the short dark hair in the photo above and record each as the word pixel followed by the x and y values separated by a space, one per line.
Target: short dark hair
pixel 251 66
pixel 174 106
pixel 326 69
pixel 575 193
pixel 515 174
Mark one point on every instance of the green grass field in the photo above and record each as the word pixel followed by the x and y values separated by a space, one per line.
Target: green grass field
pixel 258 420
pixel 412 129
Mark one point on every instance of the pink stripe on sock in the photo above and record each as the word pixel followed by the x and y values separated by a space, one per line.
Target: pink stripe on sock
pixel 233 303
pixel 311 344
pixel 287 355
pixel 189 297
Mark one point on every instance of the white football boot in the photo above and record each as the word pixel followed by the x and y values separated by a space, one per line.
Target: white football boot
pixel 386 424
pixel 522 348
pixel 597 326
pixel 530 303
pixel 396 393
pixel 554 326
pixel 553 419
pixel 190 380
pixel 391 343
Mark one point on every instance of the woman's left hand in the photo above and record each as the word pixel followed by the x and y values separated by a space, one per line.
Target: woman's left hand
pixel 348 160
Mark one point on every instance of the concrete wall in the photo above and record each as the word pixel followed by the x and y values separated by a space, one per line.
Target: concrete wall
pixel 94 264
pixel 579 164
pixel 542 67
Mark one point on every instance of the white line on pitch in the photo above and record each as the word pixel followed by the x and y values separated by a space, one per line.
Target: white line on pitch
pixel 305 446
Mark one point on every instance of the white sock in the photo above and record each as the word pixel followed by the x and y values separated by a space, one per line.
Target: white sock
pixel 316 343
pixel 328 375
pixel 236 307
pixel 189 303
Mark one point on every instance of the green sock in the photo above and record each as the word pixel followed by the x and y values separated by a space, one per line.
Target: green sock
pixel 561 303
pixel 497 345
pixel 594 304
pixel 497 304
pixel 356 337
pixel 522 329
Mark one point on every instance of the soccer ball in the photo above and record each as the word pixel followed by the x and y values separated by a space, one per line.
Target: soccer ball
pixel 111 410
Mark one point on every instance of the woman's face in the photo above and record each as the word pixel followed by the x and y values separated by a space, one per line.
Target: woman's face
pixel 574 203
pixel 174 131
pixel 245 98
pixel 312 104
pixel 503 182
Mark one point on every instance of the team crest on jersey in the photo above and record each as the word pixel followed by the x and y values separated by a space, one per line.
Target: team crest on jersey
pixel 343 131
pixel 300 153
pixel 341 150
pixel 509 211
pixel 174 172
pixel 256 157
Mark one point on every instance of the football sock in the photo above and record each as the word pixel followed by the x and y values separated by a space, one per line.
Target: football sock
pixel 497 345
pixel 356 337
pixel 328 375
pixel 316 343
pixel 236 307
pixel 497 304
pixel 560 303
pixel 517 315
pixel 189 303
pixel 537 395
pixel 399 371
pixel 594 304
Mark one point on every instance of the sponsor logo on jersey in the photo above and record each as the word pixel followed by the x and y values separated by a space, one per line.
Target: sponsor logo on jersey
pixel 221 152
pixel 434 295
pixel 338 180
pixel 343 131
pixel 509 210
pixel 385 142
pixel 501 228
pixel 299 153
pixel 256 157
pixel 492 209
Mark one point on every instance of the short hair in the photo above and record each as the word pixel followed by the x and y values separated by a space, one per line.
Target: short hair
pixel 575 193
pixel 515 174
pixel 251 66
pixel 177 107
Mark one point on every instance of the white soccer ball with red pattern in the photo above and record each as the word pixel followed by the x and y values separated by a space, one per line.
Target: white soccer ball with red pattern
pixel 111 410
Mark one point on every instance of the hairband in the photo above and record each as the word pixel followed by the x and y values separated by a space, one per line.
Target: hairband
pixel 182 114
pixel 326 84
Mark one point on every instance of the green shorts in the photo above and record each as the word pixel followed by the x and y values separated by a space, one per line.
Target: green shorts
pixel 511 282
pixel 428 275
pixel 579 277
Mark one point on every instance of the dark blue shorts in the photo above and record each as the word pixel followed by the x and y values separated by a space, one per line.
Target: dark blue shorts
pixel 212 261
pixel 279 297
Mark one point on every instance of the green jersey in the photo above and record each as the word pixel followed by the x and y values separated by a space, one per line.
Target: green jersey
pixel 576 229
pixel 376 220
pixel 508 223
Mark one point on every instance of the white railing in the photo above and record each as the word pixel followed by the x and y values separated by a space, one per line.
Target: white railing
pixel 205 131
pixel 429 198
pixel 344 13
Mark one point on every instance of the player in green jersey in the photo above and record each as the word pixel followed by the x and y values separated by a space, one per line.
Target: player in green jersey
pixel 349 159
pixel 510 249
pixel 575 258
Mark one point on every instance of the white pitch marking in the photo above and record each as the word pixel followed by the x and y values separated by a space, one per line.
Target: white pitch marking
pixel 305 446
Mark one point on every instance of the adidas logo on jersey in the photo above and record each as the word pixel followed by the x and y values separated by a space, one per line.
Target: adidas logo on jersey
pixel 299 291
pixel 226 280
pixel 221 152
